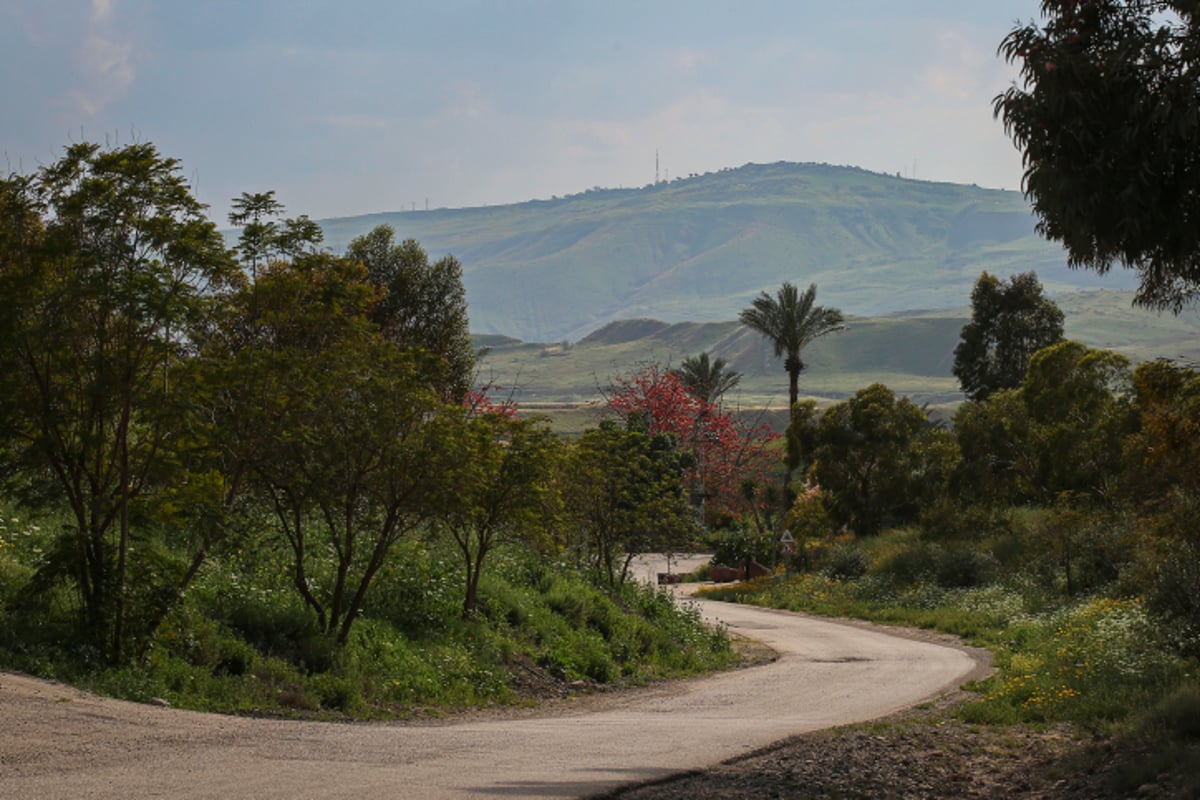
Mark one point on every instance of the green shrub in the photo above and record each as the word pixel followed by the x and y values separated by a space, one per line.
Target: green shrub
pixel 845 562
pixel 963 567
pixel 731 547
pixel 335 692
pixel 1175 716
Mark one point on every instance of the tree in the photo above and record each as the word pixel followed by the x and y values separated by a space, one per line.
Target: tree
pixel 998 465
pixel 867 456
pixel 624 497
pixel 497 472
pixel 1165 485
pixel 337 428
pixel 1079 405
pixel 722 450
pixel 264 239
pixel 1009 323
pixel 791 322
pixel 707 379
pixel 1106 116
pixel 1166 448
pixel 424 306
pixel 108 267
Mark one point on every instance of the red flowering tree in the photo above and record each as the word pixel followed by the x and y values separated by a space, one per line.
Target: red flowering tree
pixel 725 452
pixel 486 400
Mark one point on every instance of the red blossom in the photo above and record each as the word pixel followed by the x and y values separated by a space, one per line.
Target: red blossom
pixel 481 402
pixel 726 450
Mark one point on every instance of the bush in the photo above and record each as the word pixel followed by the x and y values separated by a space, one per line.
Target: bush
pixel 335 692
pixel 845 562
pixel 1095 664
pixel 1173 593
pixel 963 567
pixel 1175 717
pixel 730 548
pixel 946 521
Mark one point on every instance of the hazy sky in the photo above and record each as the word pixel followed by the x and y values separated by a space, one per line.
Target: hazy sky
pixel 355 106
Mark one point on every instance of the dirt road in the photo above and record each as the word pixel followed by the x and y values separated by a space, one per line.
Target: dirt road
pixel 56 742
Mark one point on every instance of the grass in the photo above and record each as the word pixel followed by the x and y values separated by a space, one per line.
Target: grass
pixel 242 642
pixel 1098 661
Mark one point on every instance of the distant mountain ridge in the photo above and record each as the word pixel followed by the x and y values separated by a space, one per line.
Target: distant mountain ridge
pixel 699 248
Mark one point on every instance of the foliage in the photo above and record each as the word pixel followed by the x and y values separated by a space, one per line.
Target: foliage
pixel 263 239
pixel 845 561
pixel 809 523
pixel 424 305
pixel 225 469
pixel 719 451
pixel 1096 661
pixel 731 547
pixel 1010 321
pixel 873 454
pixel 1077 399
pixel 623 496
pixel 790 321
pixel 998 462
pixel 334 425
pixel 108 267
pixel 1167 442
pixel 1062 431
pixel 499 467
pixel 707 379
pixel 1106 116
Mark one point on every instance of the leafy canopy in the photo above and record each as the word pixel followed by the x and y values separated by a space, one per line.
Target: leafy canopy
pixel 1010 321
pixel 1107 115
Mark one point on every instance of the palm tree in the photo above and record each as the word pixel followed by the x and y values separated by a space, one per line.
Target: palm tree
pixel 706 379
pixel 791 321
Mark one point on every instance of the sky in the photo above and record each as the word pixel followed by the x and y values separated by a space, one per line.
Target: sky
pixel 347 107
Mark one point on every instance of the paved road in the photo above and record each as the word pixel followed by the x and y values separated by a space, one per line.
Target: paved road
pixel 59 743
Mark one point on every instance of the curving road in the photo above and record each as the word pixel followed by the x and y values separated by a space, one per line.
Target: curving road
pixel 56 742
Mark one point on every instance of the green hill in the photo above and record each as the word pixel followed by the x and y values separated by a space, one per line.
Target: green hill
pixel 700 248
pixel 911 352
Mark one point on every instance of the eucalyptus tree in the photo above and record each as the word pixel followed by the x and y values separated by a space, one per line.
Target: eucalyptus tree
pixel 1010 321
pixel 1107 116
pixel 108 265
pixel 868 456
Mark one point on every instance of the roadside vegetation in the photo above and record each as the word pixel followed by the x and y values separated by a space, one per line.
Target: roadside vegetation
pixel 1054 524
pixel 269 479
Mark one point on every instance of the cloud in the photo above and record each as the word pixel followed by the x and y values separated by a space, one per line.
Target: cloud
pixel 106 63
pixel 101 9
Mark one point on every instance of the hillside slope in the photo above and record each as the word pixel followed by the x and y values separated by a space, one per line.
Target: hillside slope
pixel 702 247
pixel 913 353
